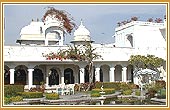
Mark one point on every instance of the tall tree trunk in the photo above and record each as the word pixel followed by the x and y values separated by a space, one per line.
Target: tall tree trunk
pixel 90 70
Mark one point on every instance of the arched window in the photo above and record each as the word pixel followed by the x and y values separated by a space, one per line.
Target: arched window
pixel 6 76
pixel 37 76
pixel 130 40
pixel 101 75
pixel 86 75
pixel 68 76
pixel 20 76
pixel 54 77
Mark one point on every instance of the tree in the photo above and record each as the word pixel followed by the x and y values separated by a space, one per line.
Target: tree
pixel 143 62
pixel 84 53
pixel 150 20
pixel 62 16
pixel 134 18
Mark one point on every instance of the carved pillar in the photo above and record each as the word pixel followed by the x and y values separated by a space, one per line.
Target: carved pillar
pixel 112 75
pixel 12 76
pixel 124 75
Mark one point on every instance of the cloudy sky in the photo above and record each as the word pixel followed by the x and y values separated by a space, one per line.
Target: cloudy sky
pixel 100 20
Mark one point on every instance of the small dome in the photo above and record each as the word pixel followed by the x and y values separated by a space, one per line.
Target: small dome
pixel 81 34
pixel 81 31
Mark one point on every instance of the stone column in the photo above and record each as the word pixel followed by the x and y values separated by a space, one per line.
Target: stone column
pixel 81 75
pixel 12 76
pixel 62 75
pixel 47 79
pixel 30 77
pixel 112 74
pixel 124 75
pixel 97 74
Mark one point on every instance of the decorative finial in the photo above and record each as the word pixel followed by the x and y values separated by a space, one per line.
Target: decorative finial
pixel 81 22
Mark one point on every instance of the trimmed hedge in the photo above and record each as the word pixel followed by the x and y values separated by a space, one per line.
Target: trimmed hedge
pixel 7 100
pixel 107 91
pixel 137 92
pixel 115 85
pixel 95 94
pixel 52 96
pixel 16 99
pixel 127 92
pixel 31 94
pixel 12 90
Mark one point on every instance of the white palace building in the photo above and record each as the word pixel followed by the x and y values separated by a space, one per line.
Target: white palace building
pixel 25 64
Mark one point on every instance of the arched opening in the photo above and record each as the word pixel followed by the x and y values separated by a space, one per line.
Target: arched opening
pixel 6 75
pixel 130 40
pixel 118 73
pixel 101 75
pixel 53 77
pixel 86 75
pixel 20 74
pixel 105 71
pixel 37 76
pixel 68 76
pixel 129 72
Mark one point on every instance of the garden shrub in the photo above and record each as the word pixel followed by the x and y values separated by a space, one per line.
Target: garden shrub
pixel 133 86
pixel 11 90
pixel 115 85
pixel 7 100
pixel 137 92
pixel 16 99
pixel 127 92
pixel 162 94
pixel 31 94
pixel 124 86
pixel 107 91
pixel 151 92
pixel 95 94
pixel 52 96
pixel 160 83
pixel 76 87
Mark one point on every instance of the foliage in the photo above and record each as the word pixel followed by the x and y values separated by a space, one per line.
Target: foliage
pixel 38 89
pixel 11 90
pixel 134 18
pixel 95 94
pixel 137 92
pixel 7 100
pixel 162 94
pixel 154 88
pixel 124 86
pixel 31 94
pixel 77 87
pixel 107 91
pixel 149 61
pixel 160 83
pixel 150 20
pixel 115 85
pixel 133 86
pixel 158 20
pixel 127 92
pixel 75 52
pixel 16 99
pixel 63 16
pixel 52 96
pixel 84 53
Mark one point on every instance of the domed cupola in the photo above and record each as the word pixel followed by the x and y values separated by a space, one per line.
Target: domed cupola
pixel 81 35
